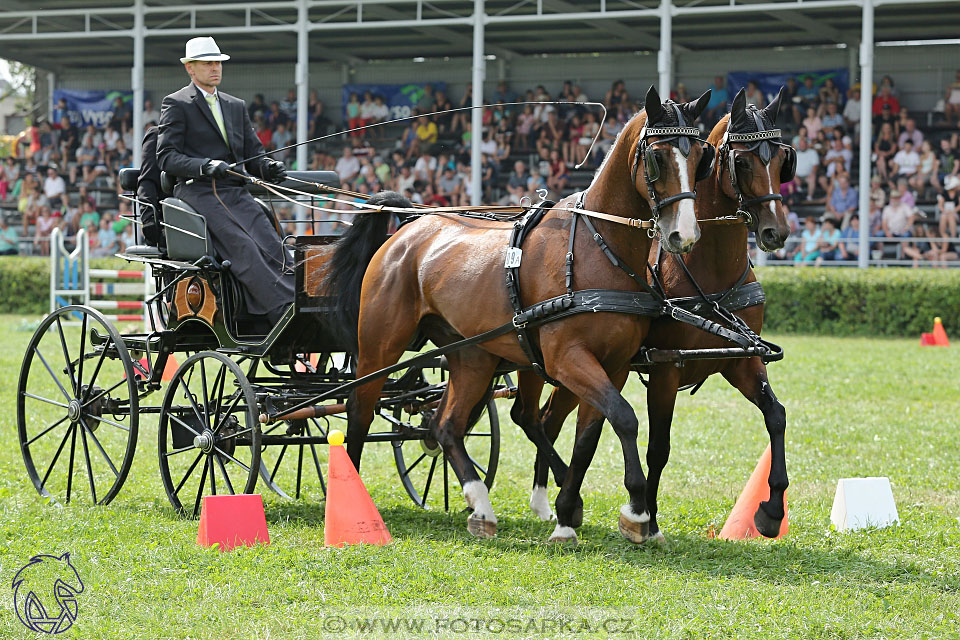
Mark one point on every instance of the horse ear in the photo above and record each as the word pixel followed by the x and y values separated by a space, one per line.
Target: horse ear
pixel 696 107
pixel 738 111
pixel 772 109
pixel 653 105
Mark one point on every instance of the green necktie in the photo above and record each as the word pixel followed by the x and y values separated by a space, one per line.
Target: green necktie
pixel 212 101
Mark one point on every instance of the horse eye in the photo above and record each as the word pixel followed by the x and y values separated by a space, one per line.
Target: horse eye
pixel 742 163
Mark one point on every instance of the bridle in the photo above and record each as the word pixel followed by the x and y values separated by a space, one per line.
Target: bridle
pixel 760 142
pixel 678 136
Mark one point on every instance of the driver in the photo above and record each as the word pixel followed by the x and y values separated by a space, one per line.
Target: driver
pixel 203 131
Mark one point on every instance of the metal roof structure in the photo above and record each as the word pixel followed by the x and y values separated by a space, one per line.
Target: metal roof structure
pixel 53 34
pixel 58 34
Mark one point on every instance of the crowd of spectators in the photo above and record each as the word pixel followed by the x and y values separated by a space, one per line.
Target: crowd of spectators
pixel 63 173
pixel 914 178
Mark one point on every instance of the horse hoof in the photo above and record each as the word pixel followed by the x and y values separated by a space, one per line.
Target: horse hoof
pixel 634 528
pixel 657 539
pixel 563 535
pixel 481 527
pixel 767 526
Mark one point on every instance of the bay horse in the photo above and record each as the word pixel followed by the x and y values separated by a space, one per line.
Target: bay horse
pixel 744 187
pixel 443 276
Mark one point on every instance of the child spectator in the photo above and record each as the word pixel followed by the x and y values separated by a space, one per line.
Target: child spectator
pixel 9 238
pixel 906 161
pixel 829 241
pixel 809 242
pixel 849 246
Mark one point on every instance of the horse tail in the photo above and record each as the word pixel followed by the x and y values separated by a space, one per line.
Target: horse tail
pixel 351 256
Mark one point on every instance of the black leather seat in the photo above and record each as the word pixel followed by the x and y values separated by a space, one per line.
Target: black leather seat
pixel 143 251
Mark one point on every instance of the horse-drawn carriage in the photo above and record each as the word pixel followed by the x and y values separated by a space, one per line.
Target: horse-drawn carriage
pixel 245 403
pixel 221 418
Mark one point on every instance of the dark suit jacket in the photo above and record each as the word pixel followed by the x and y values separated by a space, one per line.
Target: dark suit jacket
pixel 189 135
pixel 148 188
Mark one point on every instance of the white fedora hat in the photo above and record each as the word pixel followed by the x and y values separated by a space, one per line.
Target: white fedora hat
pixel 203 48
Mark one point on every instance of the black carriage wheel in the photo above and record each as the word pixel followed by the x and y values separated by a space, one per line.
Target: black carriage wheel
pixel 422 464
pixel 85 394
pixel 294 470
pixel 209 438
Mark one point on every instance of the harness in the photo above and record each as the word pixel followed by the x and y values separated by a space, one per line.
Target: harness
pixel 760 142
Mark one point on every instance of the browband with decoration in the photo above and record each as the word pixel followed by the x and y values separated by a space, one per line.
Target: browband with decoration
pixel 671 131
pixel 756 136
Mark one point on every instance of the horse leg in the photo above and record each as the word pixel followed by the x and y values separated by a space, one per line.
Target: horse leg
pixel 559 405
pixel 661 399
pixel 378 349
pixel 525 414
pixel 749 376
pixel 586 378
pixel 470 373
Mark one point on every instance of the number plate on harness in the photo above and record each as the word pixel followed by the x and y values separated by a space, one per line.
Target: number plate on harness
pixel 514 254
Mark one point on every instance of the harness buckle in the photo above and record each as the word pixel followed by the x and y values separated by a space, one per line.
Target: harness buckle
pixel 518 322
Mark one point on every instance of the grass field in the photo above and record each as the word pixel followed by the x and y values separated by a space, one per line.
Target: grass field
pixel 855 407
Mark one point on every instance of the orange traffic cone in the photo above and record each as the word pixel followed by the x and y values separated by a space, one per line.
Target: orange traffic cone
pixel 232 521
pixel 939 333
pixel 350 516
pixel 739 525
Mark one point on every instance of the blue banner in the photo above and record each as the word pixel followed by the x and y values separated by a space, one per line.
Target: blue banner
pixel 770 83
pixel 402 99
pixel 89 107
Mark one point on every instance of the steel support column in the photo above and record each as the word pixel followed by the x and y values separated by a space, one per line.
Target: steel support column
pixel 476 116
pixel 136 80
pixel 665 57
pixel 866 127
pixel 303 81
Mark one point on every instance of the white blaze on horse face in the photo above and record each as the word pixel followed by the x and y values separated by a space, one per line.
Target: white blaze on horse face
pixel 686 215
pixel 540 504
pixel 477 496
pixel 773 203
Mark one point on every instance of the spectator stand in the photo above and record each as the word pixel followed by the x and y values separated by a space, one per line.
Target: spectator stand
pixel 73 281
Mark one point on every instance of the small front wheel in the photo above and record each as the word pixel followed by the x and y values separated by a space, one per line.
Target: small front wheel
pixel 209 440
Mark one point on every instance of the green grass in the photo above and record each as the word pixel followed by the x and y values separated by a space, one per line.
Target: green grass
pixel 855 407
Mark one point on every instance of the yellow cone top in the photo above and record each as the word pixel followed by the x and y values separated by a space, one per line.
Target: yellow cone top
pixel 937 320
pixel 335 438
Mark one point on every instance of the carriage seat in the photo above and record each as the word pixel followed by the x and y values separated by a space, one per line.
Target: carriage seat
pixel 128 178
pixel 185 231
pixel 143 251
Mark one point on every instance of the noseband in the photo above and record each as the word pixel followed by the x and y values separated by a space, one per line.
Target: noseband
pixel 760 142
pixel 679 137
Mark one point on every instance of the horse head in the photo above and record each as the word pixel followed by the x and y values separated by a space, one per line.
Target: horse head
pixel 754 161
pixel 669 160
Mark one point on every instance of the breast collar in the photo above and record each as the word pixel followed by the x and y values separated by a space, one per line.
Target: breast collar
pixel 678 136
pixel 761 142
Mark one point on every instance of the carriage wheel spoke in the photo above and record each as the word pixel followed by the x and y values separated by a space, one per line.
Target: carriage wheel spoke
pixel 47 400
pixel 220 380
pixel 66 357
pixel 477 465
pixel 234 435
pixel 193 402
pixel 167 454
pixel 96 371
pixel 231 458
pixel 96 441
pixel 73 450
pixel 213 476
pixel 206 401
pixel 426 488
pixel 410 468
pixel 276 467
pixel 187 474
pixel 223 420
pixel 52 374
pixel 56 457
pixel 111 422
pixel 299 469
pixel 86 454
pixel 203 481
pixel 103 392
pixel 316 460
pixel 83 344
pixel 479 435
pixel 226 476
pixel 446 485
pixel 46 431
